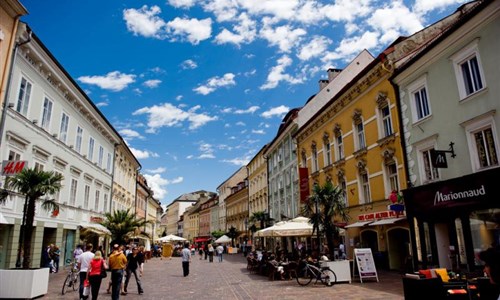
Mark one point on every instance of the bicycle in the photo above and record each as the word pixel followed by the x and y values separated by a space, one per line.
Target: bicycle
pixel 72 279
pixel 307 272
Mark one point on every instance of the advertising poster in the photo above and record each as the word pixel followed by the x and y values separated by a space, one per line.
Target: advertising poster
pixel 365 263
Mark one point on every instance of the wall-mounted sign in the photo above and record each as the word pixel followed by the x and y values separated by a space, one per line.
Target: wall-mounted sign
pixel 438 158
pixel 96 219
pixel 12 167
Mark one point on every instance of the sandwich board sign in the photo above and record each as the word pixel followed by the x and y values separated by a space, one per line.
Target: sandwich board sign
pixel 365 263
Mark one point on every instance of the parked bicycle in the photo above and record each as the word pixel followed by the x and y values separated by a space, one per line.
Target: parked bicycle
pixel 72 279
pixel 307 272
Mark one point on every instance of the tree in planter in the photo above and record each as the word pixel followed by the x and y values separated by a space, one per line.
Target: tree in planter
pixel 123 225
pixel 262 217
pixel 232 234
pixel 33 184
pixel 217 233
pixel 322 207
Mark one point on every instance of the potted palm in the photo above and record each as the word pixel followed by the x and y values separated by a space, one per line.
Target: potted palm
pixel 27 282
pixel 123 225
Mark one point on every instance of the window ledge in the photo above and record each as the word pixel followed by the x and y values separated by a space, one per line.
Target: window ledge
pixel 473 95
pixel 339 162
pixel 328 168
pixel 416 123
pixel 315 174
pixel 387 140
pixel 360 152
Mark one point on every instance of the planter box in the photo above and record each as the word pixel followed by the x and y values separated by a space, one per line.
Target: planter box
pixel 24 284
pixel 341 268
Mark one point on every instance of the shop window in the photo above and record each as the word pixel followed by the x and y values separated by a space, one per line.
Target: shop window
pixel 485 230
pixel 468 70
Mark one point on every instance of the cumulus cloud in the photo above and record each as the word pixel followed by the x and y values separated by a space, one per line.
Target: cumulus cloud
pixel 284 37
pixel 157 170
pixel 152 83
pixel 159 184
pixel 239 123
pixel 168 115
pixel 214 83
pixel 114 81
pixel 239 161
pixel 277 74
pixel 189 64
pixel 244 32
pixel 279 111
pixel 206 150
pixel 316 47
pixel 193 30
pixel 249 110
pixel 259 131
pixel 130 134
pixel 143 154
pixel 145 21
pixel 424 6
pixel 181 3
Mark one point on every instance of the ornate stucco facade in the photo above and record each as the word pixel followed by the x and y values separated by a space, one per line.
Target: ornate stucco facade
pixel 124 180
pixel 224 190
pixel 257 183
pixel 237 210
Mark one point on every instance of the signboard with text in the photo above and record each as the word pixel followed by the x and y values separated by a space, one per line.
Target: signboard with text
pixel 365 263
pixel 12 167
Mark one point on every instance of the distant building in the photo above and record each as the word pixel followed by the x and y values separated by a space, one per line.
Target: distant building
pixel 224 190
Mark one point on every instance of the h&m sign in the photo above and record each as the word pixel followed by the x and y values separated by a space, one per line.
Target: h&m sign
pixel 12 167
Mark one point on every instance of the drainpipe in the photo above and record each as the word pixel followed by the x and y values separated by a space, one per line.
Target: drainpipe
pixel 113 177
pixel 9 80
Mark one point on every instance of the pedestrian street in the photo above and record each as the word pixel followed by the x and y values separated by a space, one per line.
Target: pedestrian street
pixel 230 279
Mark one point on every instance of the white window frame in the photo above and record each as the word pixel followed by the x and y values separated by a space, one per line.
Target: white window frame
pixel 392 181
pixel 96 202
pixel 365 191
pixel 458 59
pixel 108 165
pixel 14 155
pixel 473 127
pixel 327 152
pixel 46 113
pixel 90 154
pixel 86 196
pixel 343 186
pixel 79 139
pixel 360 135
pixel 72 192
pixel 339 146
pixel 63 131
pixel 22 105
pixel 414 87
pixel 423 148
pixel 314 158
pixel 386 128
pixel 100 157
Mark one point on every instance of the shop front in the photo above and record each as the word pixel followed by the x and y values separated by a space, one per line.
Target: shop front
pixel 451 221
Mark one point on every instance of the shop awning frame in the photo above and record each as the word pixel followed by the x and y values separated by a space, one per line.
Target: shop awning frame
pixel 358 224
pixel 97 228
pixel 387 221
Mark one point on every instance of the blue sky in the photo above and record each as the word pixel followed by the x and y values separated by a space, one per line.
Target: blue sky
pixel 197 87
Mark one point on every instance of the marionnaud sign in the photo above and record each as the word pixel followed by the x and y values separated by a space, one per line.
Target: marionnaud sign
pixel 451 196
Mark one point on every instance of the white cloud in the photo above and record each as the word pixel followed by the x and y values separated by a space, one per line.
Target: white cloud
pixel 179 97
pixel 316 47
pixel 181 3
pixel 130 134
pixel 193 30
pixel 189 64
pixel 244 32
pixel 145 21
pixel 349 47
pixel 152 83
pixel 157 170
pixel 239 123
pixel 239 161
pixel 276 111
pixel 102 104
pixel 249 110
pixel 347 10
pixel 224 10
pixel 277 74
pixel 113 81
pixel 143 154
pixel 159 184
pixel 259 131
pixel 207 152
pixel 285 37
pixel 214 83
pixel 168 115
pixel 424 6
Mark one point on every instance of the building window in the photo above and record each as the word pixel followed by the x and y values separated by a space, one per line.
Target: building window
pixel 327 151
pixel 38 166
pixel 63 132
pixel 386 120
pixel 91 148
pixel 419 99
pixel 392 175
pixel 314 153
pixel 343 187
pixel 73 189
pixel 360 132
pixel 339 147
pixel 468 70
pixel 101 156
pixel 303 159
pixel 14 155
pixel 23 99
pixel 365 187
pixel 430 173
pixel 86 197
pixel 46 113
pixel 483 143
pixel 78 141
pixel 96 204
pixel 108 166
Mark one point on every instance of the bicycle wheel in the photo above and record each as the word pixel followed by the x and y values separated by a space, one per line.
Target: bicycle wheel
pixel 328 277
pixel 76 281
pixel 66 284
pixel 304 276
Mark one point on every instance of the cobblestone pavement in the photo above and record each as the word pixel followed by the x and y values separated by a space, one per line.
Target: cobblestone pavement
pixel 230 280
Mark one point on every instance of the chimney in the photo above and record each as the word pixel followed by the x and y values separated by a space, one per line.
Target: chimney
pixel 322 83
pixel 332 73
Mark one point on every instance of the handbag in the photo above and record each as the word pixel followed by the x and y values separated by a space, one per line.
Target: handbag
pixel 86 287
pixel 103 270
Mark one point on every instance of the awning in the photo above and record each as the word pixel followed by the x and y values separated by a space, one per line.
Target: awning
pixel 358 224
pixel 3 220
pixel 97 228
pixel 387 221
pixel 201 239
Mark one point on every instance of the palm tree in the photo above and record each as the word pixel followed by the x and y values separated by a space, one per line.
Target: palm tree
pixel 33 184
pixel 322 207
pixel 262 217
pixel 232 233
pixel 123 225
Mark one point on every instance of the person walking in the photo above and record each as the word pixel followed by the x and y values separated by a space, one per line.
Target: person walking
pixel 210 253
pixel 134 262
pixel 186 258
pixel 94 273
pixel 83 264
pixel 220 250
pixel 200 250
pixel 55 257
pixel 117 263
pixel 77 252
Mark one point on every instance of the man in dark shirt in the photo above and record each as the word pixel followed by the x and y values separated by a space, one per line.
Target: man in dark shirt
pixel 134 261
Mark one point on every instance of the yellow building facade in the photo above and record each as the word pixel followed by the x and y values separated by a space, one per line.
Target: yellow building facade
pixel 257 183
pixel 237 210
pixel 354 142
